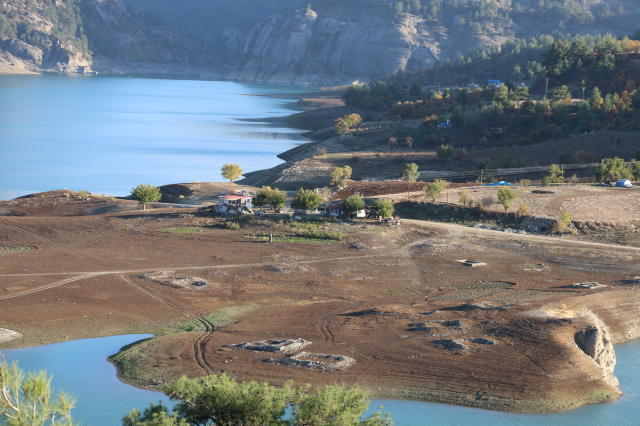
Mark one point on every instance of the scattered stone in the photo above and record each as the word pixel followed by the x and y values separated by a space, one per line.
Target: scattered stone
pixel 454 345
pixel 273 345
pixel 471 263
pixel 429 313
pixel 340 362
pixel 167 278
pixel 484 306
pixel 7 335
pixel 588 286
pixel 483 341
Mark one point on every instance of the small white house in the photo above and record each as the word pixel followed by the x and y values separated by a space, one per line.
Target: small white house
pixel 335 210
pixel 234 204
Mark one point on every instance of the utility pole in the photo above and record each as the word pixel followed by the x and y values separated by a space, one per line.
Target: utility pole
pixel 546 90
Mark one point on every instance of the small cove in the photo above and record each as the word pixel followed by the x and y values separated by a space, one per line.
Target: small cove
pixel 81 367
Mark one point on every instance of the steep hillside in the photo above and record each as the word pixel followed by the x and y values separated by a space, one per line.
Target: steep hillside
pixel 333 43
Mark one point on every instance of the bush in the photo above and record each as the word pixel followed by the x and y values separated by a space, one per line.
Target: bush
pixel 228 225
pixel 432 190
pixel 382 207
pixel 523 210
pixel 445 152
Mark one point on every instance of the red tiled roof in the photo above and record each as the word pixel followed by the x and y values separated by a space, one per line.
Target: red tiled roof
pixel 334 206
pixel 235 197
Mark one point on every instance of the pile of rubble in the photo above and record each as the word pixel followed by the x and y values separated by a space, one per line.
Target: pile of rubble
pixel 455 345
pixel 588 286
pixel 340 362
pixel 7 335
pixel 274 345
pixel 167 278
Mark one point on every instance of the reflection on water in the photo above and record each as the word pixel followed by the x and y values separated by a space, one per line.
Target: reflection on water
pixel 80 367
pixel 107 134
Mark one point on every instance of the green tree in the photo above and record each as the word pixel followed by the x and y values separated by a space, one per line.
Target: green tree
pixel 336 175
pixel 635 169
pixel 155 415
pixel 560 94
pixel 464 196
pixel 596 98
pixel 347 122
pixel 382 207
pixel 220 400
pixel 506 196
pixel 335 406
pixel 346 173
pixel 612 167
pixel 554 173
pixel 306 199
pixel 416 89
pixel 435 188
pixel 277 198
pixel 262 196
pixel 410 172
pixel 445 152
pixel 146 194
pixel 502 94
pixel 399 7
pixel 353 204
pixel 28 401
pixel 231 172
pixel 457 117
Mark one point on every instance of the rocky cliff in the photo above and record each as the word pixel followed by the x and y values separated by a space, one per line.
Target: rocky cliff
pixel 305 47
pixel 338 45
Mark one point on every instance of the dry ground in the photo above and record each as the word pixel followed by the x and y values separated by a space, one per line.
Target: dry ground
pixel 386 297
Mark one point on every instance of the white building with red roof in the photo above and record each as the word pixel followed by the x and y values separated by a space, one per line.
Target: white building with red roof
pixel 234 204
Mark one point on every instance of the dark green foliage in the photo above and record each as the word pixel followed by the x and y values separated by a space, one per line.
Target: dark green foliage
pixel 352 204
pixel 223 401
pixel 382 207
pixel 306 199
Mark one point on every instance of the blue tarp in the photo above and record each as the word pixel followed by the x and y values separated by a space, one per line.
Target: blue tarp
pixel 501 183
pixel 624 183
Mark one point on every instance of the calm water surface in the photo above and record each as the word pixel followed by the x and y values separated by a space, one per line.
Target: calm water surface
pixel 109 134
pixel 80 367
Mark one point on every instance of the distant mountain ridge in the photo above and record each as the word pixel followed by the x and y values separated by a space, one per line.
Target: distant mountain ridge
pixel 324 43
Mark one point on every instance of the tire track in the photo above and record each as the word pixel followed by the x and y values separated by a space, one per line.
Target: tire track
pixel 52 285
pixel 199 345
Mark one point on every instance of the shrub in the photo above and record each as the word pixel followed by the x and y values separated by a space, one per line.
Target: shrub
pixel 525 182
pixel 321 151
pixel 347 122
pixel 432 190
pixel 382 207
pixel 523 210
pixel 506 197
pixel 546 181
pixel 229 225
pixel 445 152
pixel 410 172
pixel 464 196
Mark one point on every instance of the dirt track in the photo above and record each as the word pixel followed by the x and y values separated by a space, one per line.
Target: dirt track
pixel 386 297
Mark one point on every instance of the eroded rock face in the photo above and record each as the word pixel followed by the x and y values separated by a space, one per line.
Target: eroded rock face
pixel 595 341
pixel 305 47
pixel 22 50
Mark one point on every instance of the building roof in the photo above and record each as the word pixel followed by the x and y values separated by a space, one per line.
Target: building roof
pixel 235 197
pixel 334 206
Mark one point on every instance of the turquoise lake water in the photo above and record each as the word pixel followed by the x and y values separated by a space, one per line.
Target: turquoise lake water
pixel 109 134
pixel 80 367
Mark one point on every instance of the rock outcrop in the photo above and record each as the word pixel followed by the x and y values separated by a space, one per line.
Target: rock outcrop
pixel 595 341
pixel 305 47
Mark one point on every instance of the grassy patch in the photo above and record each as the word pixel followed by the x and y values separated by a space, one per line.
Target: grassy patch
pixel 401 292
pixel 217 318
pixel 181 230
pixel 472 291
pixel 6 251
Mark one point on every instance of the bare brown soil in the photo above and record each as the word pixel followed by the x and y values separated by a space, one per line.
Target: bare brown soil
pixel 378 297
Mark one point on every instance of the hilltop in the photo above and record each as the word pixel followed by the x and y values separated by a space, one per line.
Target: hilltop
pixel 321 43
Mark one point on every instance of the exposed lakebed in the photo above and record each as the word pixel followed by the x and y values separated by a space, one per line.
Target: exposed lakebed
pixel 81 367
